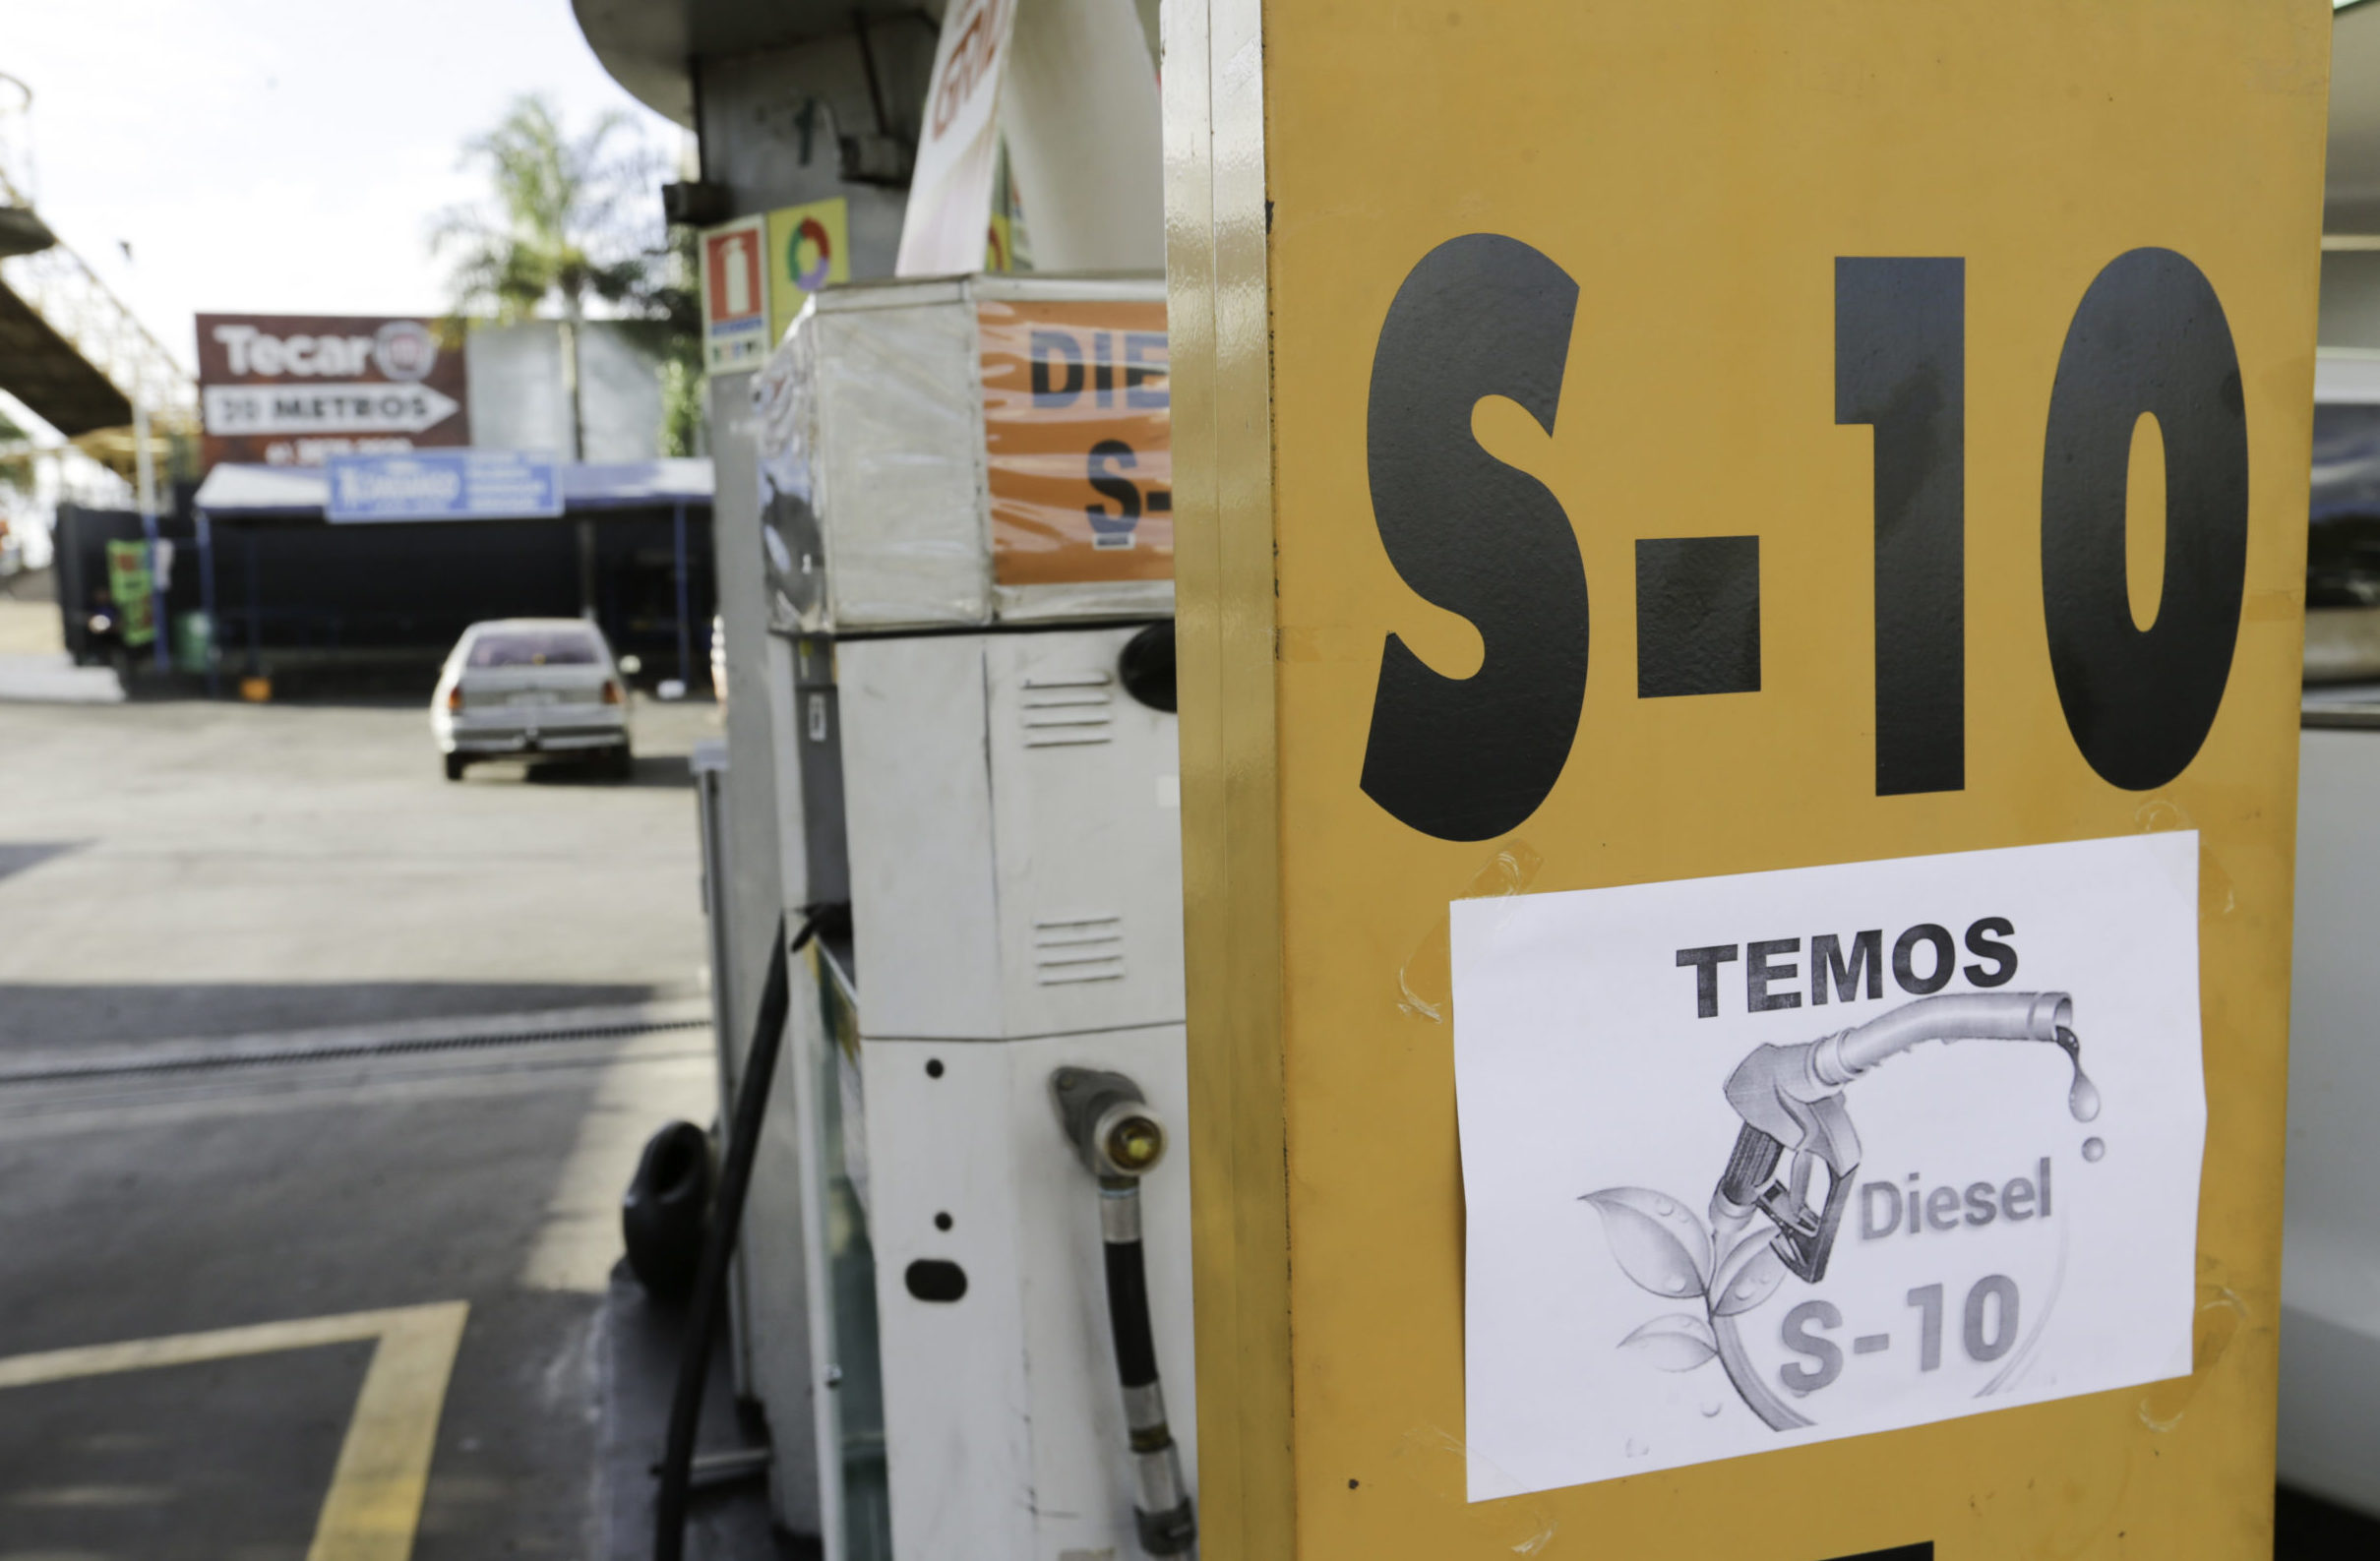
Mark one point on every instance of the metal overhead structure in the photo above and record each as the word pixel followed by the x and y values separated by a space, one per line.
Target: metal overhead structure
pixel 74 353
pixel 70 349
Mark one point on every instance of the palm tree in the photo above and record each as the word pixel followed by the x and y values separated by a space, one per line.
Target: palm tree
pixel 563 227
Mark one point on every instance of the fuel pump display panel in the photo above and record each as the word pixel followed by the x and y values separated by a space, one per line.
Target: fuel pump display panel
pixel 1620 448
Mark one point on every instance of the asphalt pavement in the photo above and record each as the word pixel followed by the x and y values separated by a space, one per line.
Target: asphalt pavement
pixel 319 1078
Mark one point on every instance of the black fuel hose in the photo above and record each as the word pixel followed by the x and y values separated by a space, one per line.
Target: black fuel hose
pixel 1120 1140
pixel 726 1219
pixel 1161 1506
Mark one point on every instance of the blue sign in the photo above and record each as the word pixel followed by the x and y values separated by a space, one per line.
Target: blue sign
pixel 444 484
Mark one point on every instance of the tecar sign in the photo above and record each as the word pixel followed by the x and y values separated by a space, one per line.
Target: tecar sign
pixel 293 389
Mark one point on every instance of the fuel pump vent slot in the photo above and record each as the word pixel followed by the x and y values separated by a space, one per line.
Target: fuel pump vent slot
pixel 1068 951
pixel 1066 709
pixel 1076 978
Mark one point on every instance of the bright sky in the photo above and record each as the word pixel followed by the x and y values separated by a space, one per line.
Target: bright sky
pixel 279 156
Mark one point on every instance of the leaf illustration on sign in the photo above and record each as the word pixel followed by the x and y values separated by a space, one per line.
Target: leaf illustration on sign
pixel 1679 1342
pixel 1660 1245
pixel 1657 1240
pixel 1749 1275
pixel 1761 1218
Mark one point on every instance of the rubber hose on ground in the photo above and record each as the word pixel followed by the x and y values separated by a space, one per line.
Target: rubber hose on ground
pixel 727 1218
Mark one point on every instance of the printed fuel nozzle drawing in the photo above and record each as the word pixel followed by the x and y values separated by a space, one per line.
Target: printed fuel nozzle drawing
pixel 1765 1226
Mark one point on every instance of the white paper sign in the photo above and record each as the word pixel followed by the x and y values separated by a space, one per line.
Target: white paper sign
pixel 1660 1085
pixel 951 188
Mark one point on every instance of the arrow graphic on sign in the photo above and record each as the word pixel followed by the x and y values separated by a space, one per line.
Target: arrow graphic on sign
pixel 262 409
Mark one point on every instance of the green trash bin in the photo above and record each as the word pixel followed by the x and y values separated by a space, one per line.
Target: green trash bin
pixel 193 641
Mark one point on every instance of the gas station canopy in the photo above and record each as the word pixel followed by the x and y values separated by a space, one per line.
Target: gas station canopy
pixel 649 48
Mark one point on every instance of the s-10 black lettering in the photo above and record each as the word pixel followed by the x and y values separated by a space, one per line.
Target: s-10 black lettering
pixel 1484 315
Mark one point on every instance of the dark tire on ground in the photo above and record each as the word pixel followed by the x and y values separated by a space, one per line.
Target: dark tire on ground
pixel 667 1210
pixel 619 763
pixel 455 765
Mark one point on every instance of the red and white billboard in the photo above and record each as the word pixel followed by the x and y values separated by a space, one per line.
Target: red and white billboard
pixel 295 390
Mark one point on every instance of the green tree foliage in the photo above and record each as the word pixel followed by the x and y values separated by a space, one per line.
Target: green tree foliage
pixel 675 302
pixel 571 221
pixel 681 407
pixel 563 224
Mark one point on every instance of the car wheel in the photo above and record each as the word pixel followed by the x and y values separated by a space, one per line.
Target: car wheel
pixel 455 765
pixel 621 764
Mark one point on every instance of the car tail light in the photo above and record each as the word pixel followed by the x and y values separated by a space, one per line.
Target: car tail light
pixel 454 698
pixel 611 691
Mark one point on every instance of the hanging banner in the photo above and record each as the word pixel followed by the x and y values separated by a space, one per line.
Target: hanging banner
pixel 959 146
pixel 1079 115
pixel 129 587
pixel 1078 458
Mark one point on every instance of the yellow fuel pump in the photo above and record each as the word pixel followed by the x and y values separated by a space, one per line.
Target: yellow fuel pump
pixel 1741 591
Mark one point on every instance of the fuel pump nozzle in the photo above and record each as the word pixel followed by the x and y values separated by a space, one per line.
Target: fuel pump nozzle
pixel 1120 1140
pixel 1790 1099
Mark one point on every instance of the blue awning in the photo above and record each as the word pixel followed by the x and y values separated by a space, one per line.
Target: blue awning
pixel 298 492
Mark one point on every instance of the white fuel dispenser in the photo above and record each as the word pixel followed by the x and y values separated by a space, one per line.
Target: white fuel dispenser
pixel 967 520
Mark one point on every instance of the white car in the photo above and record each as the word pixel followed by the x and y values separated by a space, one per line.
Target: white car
pixel 535 688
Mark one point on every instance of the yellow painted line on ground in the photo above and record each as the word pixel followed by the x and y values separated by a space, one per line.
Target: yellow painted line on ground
pixel 383 1466
pixel 373 1503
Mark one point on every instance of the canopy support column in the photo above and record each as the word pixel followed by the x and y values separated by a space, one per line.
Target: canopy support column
pixel 678 577
pixel 255 666
pixel 214 651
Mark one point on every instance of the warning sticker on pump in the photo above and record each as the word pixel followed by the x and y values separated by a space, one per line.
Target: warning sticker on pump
pixel 1757 1161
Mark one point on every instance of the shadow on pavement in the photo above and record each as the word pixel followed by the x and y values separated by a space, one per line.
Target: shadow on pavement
pixel 43 1016
pixel 187 1463
pixel 662 771
pixel 2308 1529
pixel 16 856
pixel 726 1518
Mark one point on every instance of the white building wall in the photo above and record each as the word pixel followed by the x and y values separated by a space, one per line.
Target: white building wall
pixel 2350 299
pixel 519 398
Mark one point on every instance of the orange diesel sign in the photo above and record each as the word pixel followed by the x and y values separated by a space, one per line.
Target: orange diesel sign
pixel 1076 402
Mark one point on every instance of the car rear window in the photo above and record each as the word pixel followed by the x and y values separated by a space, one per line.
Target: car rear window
pixel 535 647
